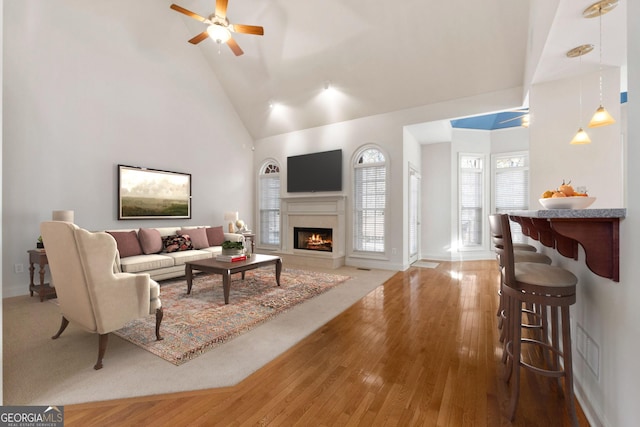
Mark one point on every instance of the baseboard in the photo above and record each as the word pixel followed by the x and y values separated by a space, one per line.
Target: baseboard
pixel 15 290
pixel 459 256
pixel 587 408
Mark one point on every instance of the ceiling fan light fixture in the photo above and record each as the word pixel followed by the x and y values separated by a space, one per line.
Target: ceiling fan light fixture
pixel 580 138
pixel 218 33
pixel 601 118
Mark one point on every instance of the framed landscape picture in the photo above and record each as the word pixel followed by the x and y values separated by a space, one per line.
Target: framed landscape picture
pixel 153 194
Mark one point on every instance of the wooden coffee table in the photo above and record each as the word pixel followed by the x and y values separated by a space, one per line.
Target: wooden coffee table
pixel 226 269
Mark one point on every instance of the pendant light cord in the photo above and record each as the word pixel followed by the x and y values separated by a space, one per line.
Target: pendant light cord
pixel 600 51
pixel 580 96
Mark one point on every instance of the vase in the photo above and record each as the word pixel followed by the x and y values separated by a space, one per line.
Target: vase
pixel 232 251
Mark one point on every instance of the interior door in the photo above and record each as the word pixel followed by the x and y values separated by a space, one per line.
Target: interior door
pixel 414 215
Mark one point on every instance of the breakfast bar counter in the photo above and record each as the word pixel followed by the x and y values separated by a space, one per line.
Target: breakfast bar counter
pixel 596 230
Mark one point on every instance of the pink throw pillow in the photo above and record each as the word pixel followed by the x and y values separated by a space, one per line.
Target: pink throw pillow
pixel 198 237
pixel 215 235
pixel 150 240
pixel 127 241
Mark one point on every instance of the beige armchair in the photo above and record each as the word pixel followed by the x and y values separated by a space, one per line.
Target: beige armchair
pixel 89 292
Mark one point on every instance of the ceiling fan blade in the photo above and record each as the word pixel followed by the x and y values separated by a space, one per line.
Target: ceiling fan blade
pixel 187 12
pixel 234 47
pixel 221 8
pixel 197 39
pixel 512 119
pixel 248 29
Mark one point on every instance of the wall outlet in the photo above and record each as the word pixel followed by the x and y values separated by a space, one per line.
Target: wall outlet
pixel 593 357
pixel 589 350
pixel 18 268
pixel 581 341
pixel 394 251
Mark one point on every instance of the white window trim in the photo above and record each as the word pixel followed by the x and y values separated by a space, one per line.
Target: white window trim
pixel 378 255
pixel 260 177
pixel 494 169
pixel 485 202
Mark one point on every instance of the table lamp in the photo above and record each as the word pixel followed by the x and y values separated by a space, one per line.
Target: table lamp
pixel 231 218
pixel 66 216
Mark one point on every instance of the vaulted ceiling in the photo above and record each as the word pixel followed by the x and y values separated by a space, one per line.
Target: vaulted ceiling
pixel 380 56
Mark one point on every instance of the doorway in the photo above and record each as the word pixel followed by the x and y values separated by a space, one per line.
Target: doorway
pixel 414 215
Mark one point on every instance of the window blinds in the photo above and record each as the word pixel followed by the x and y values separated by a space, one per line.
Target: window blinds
pixel 370 202
pixel 470 189
pixel 269 200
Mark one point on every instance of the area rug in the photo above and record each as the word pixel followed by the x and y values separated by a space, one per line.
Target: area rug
pixel 196 323
pixel 425 264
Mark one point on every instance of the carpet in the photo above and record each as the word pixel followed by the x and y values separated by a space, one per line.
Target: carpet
pixel 196 323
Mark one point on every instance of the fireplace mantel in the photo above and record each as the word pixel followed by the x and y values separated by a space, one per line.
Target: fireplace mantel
pixel 313 203
pixel 324 211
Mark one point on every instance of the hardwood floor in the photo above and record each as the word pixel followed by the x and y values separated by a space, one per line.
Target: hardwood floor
pixel 421 350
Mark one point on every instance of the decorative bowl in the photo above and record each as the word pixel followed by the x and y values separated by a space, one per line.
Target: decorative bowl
pixel 575 202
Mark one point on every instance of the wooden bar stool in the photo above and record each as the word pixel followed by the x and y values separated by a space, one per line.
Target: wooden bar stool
pixel 527 254
pixel 547 286
pixel 524 247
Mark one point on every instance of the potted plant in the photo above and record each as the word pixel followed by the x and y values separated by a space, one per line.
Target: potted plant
pixel 232 248
pixel 39 243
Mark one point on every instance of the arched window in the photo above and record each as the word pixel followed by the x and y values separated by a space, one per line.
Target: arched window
pixel 269 203
pixel 370 200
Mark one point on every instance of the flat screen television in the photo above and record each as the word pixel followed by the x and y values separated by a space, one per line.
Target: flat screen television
pixel 315 172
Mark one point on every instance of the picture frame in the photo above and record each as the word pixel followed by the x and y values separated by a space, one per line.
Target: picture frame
pixel 145 193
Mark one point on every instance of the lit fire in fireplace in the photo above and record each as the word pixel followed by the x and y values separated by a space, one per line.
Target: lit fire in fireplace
pixel 313 239
pixel 317 240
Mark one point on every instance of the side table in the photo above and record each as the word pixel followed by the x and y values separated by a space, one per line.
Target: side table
pixel 39 256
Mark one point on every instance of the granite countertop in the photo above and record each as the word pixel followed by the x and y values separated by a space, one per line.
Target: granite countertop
pixel 572 213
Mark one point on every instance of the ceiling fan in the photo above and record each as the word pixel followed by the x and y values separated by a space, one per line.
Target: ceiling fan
pixel 219 29
pixel 524 122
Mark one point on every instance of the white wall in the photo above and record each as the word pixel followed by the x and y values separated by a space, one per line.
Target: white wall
pixel 435 239
pixel 350 136
pixel 86 95
pixel 605 310
pixel 598 166
pixel 622 387
pixel 509 140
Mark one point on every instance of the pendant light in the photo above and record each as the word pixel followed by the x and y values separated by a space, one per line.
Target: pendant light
pixel 601 117
pixel 581 136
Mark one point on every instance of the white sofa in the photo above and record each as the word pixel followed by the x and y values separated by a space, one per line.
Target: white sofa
pixel 164 265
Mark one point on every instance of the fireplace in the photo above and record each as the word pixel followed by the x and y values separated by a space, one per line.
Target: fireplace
pixel 313 239
pixel 309 213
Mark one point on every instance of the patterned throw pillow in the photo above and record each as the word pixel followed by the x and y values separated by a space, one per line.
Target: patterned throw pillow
pixel 177 243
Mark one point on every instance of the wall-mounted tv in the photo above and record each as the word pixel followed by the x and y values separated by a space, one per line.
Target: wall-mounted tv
pixel 315 172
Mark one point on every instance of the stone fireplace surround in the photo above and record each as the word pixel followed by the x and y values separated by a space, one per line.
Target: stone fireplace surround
pixel 314 211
